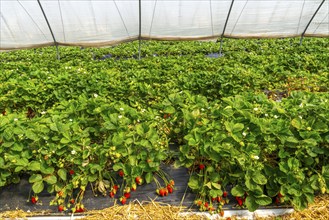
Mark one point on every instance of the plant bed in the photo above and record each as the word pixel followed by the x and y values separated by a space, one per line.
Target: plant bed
pixel 15 196
pixel 79 127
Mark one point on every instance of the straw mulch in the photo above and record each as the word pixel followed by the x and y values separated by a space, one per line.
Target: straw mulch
pixel 139 210
pixel 319 210
pixel 154 210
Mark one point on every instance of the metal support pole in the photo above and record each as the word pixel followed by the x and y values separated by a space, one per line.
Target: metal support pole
pixel 51 31
pixel 140 29
pixel 221 37
pixel 317 10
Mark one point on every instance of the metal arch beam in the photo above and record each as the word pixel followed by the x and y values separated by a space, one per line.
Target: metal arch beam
pixel 222 36
pixel 308 24
pixel 140 28
pixel 51 31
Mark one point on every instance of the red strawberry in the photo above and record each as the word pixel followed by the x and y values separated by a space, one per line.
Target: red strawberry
pixel 213 199
pixel 34 199
pixel 72 201
pixel 60 194
pixel 4 112
pixel 127 195
pixel 112 194
pixel 172 182
pixel 165 116
pixel 116 187
pixel 224 194
pixel 71 172
pixel 221 213
pixel 219 199
pixel 162 192
pixel 169 188
pixel 139 180
pixel 166 191
pixel 277 200
pixel 123 200
pixel 60 208
pixel 239 200
pixel 201 166
pixel 206 204
pixel 80 210
pixel 121 173
pixel 280 195
pixel 198 202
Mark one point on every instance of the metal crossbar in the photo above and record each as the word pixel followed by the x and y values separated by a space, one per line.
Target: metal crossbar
pixel 221 37
pixel 51 31
pixel 140 28
pixel 317 10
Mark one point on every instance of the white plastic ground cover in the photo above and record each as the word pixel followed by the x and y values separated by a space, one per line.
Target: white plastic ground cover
pixel 240 214
pixel 244 214
pixel 106 22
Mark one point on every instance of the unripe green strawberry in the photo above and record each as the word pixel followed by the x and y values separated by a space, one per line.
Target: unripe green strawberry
pixel 133 187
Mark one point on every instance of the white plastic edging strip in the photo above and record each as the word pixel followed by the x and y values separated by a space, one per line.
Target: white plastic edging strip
pixel 243 214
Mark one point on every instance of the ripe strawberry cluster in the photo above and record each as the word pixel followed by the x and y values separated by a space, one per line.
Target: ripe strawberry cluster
pixel 210 205
pixel 127 191
pixel 279 199
pixel 61 207
pixel 163 191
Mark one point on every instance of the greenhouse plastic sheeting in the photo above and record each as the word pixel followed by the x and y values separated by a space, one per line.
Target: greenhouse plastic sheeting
pixel 107 22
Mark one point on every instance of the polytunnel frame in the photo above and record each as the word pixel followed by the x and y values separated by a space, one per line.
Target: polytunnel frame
pixel 50 29
pixel 225 25
pixel 308 24
pixel 222 36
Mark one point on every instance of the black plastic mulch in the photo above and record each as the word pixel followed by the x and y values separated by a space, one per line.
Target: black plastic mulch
pixel 14 197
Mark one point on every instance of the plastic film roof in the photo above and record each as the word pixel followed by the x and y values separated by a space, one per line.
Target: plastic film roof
pixel 105 22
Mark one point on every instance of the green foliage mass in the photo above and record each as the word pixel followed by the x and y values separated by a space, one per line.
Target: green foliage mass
pixel 256 118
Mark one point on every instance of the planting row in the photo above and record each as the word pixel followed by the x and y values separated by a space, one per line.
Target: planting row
pixel 265 149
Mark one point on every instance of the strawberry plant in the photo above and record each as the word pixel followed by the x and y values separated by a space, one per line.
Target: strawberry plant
pixel 261 131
